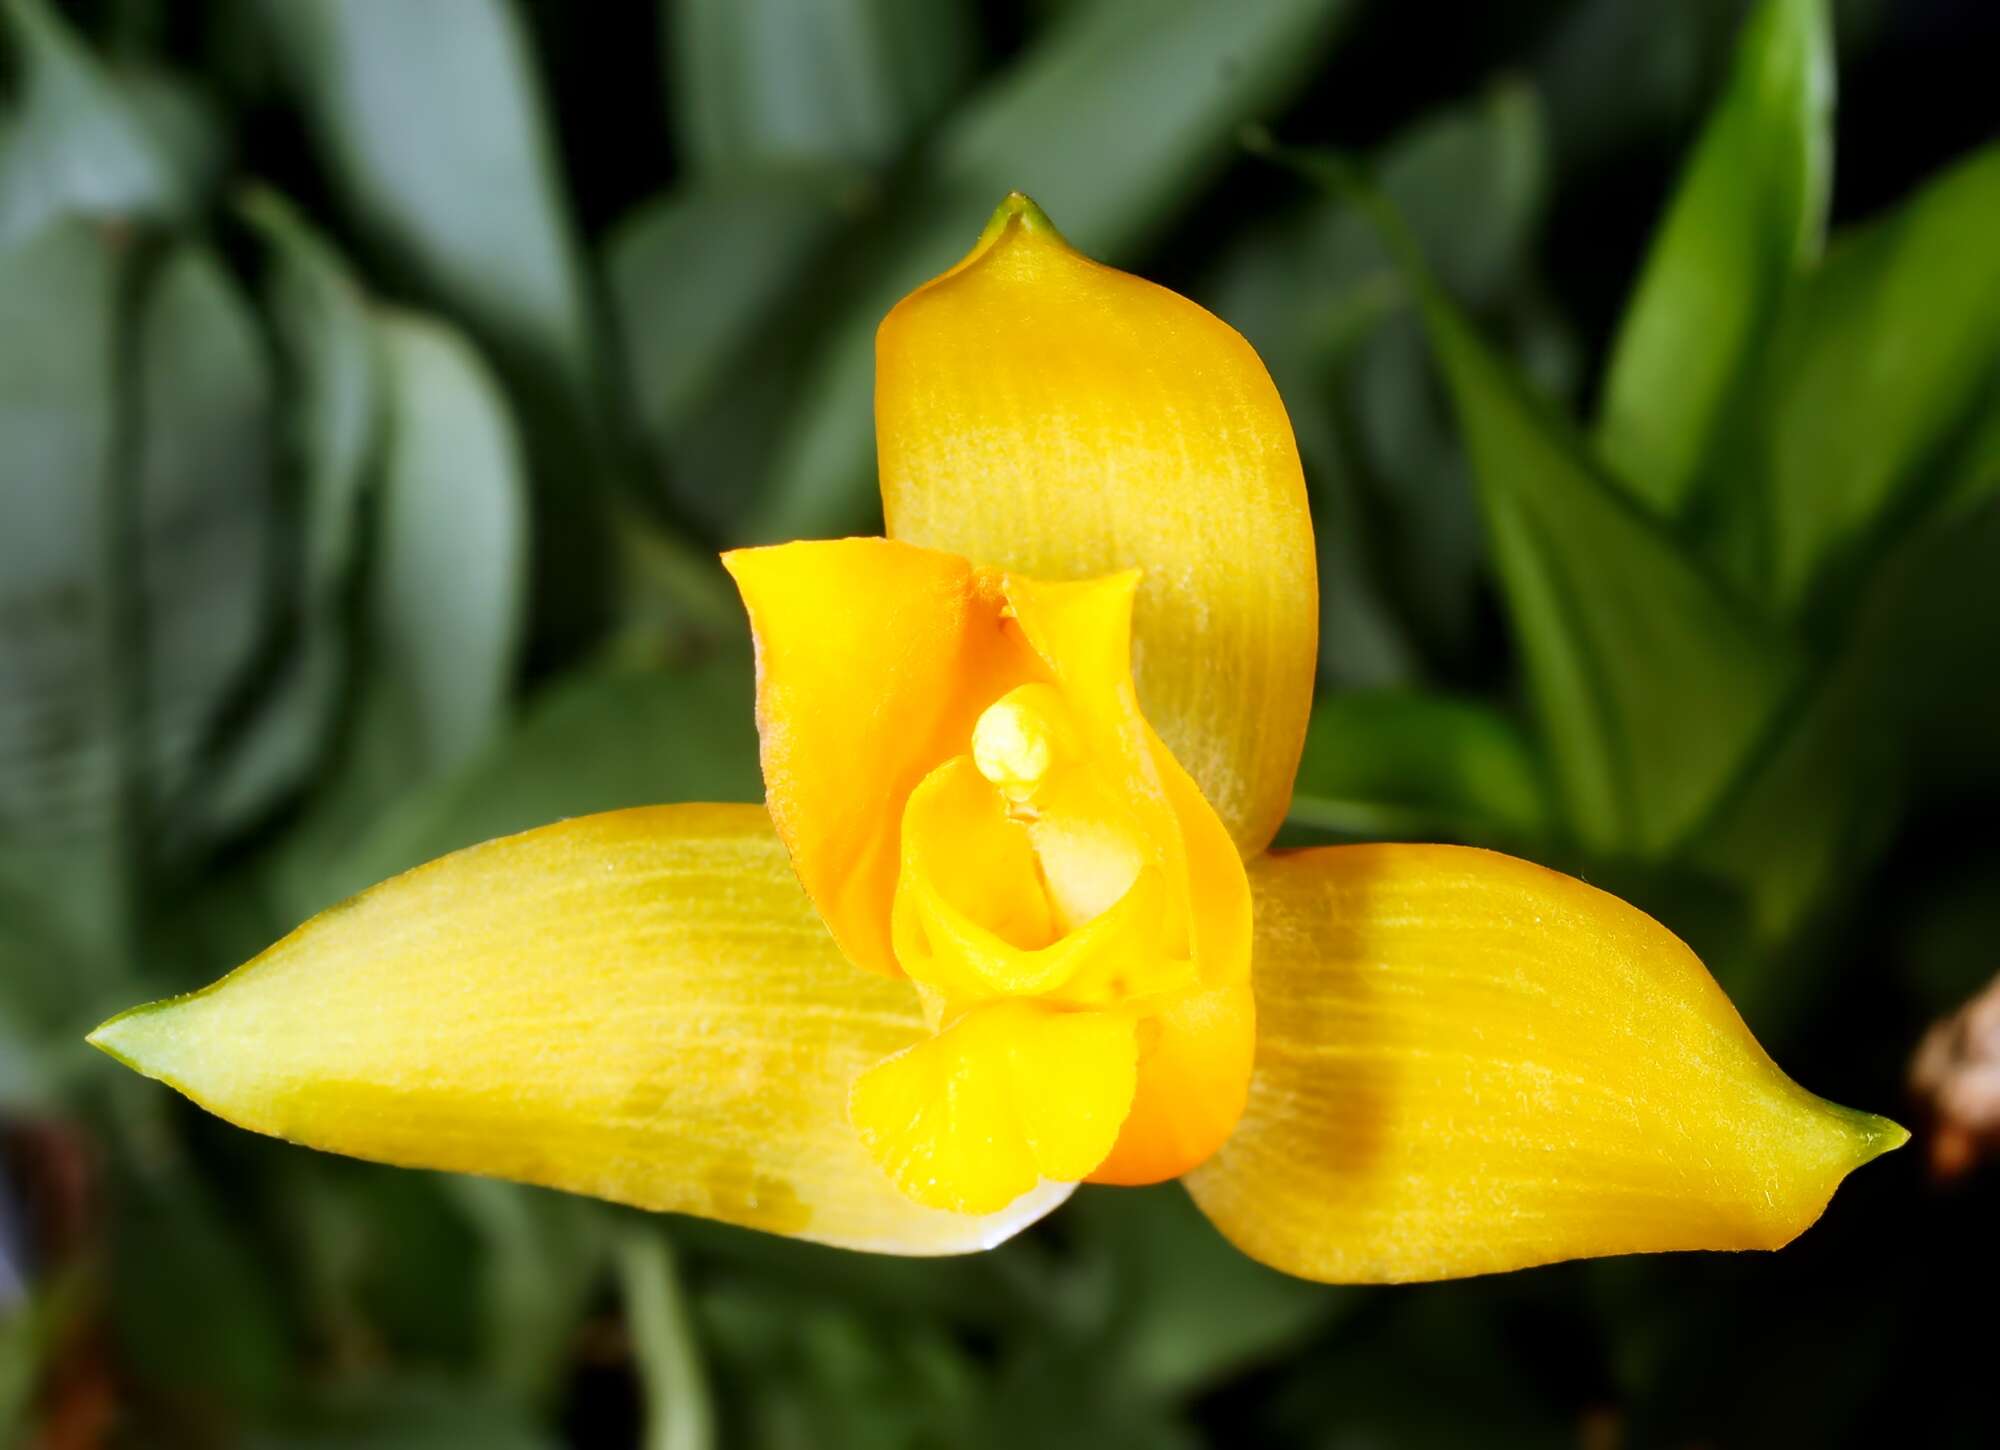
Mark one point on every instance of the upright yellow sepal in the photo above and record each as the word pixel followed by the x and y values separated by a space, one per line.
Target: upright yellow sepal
pixel 639 1005
pixel 1042 413
pixel 1467 1063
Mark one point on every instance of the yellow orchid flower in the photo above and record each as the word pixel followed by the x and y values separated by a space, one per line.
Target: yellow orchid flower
pixel 1008 921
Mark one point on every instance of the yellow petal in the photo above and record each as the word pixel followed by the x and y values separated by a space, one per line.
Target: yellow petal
pixel 1466 1063
pixel 1012 1093
pixel 1037 411
pixel 874 660
pixel 640 1005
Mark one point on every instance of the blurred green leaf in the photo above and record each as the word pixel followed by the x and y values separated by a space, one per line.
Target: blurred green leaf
pixel 598 741
pixel 1972 473
pixel 1473 184
pixel 21 1346
pixel 75 141
pixel 385 1265
pixel 1651 680
pixel 800 1369
pixel 1434 1368
pixel 332 380
pixel 1112 120
pixel 695 278
pixel 1614 74
pixel 1887 360
pixel 136 556
pixel 447 594
pixel 679 1413
pixel 1190 1309
pixel 431 119
pixel 1392 763
pixel 755 81
pixel 182 122
pixel 196 1314
pixel 62 815
pixel 23 1079
pixel 1315 293
pixel 1277 284
pixel 1486 160
pixel 1811 806
pixel 544 1257
pixel 444 598
pixel 1748 217
pixel 433 124
pixel 1905 671
pixel 206 504
pixel 323 329
pixel 32 1325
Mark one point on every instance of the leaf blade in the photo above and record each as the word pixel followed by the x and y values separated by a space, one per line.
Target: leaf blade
pixel 1746 220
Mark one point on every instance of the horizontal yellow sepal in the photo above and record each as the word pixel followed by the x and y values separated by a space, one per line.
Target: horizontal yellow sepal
pixel 1466 1063
pixel 640 1005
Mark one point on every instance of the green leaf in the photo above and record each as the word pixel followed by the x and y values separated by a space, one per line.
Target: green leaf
pixel 135 545
pixel 755 81
pixel 1887 361
pixel 434 127
pixel 679 1413
pixel 544 1257
pixel 1747 219
pixel 1189 1311
pixel 1904 683
pixel 1651 680
pixel 1112 121
pixel 1316 294
pixel 696 278
pixel 324 333
pixel 195 1313
pixel 332 375
pixel 75 141
pixel 32 1325
pixel 62 816
pixel 445 598
pixel 183 124
pixel 1811 807
pixel 1391 763
pixel 1972 473
pixel 206 501
pixel 387 1266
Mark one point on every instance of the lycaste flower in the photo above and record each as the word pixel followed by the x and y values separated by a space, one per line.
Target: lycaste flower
pixel 1037 942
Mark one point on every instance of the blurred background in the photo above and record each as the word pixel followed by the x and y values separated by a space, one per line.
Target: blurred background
pixel 378 379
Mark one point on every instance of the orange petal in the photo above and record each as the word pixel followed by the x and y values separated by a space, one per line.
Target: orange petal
pixel 874 660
